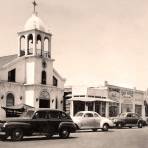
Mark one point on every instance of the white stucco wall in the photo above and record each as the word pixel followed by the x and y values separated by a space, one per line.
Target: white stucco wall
pixel 29 97
pixel 61 80
pixel 19 65
pixel 39 68
pixel 30 71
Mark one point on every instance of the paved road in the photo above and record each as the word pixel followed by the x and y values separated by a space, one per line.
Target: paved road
pixel 115 138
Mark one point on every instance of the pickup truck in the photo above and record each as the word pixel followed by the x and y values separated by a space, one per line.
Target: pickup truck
pixel 43 121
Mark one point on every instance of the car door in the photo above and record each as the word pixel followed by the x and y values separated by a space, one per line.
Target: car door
pixel 88 121
pixel 97 119
pixel 40 122
pixel 135 119
pixel 129 119
pixel 53 121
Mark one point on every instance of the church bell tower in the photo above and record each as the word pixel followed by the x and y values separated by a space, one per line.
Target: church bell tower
pixel 34 40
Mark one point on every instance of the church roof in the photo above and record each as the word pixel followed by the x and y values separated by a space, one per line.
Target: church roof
pixel 6 59
pixel 34 22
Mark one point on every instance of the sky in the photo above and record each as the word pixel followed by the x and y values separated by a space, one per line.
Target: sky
pixel 93 40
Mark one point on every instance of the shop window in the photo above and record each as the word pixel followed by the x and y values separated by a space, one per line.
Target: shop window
pixel 138 109
pixel 113 109
pixel 103 109
pixel 43 77
pixel 100 108
pixel 126 108
pixel 90 106
pixel 11 75
pixel 78 106
pixel 55 81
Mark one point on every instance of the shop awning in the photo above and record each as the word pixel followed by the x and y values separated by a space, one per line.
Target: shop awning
pixel 17 107
pixel 16 110
pixel 91 99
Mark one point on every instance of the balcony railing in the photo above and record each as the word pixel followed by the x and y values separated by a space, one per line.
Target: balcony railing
pixel 39 52
pixel 42 53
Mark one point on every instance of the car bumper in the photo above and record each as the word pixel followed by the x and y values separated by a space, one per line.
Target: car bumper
pixel 2 134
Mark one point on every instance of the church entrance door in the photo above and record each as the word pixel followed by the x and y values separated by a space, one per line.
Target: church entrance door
pixel 44 100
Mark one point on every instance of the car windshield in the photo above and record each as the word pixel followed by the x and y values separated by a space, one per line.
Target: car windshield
pixel 79 115
pixel 29 113
pixel 122 115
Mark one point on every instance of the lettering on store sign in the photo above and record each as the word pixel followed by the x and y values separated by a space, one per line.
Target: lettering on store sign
pixel 127 94
pixel 114 94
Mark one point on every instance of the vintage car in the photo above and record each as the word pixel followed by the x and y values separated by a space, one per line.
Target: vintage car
pixel 91 120
pixel 46 122
pixel 128 119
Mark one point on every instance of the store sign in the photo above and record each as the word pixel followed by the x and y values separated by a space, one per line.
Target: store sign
pixel 127 93
pixel 114 94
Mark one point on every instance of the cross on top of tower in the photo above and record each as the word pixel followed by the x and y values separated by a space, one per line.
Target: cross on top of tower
pixel 34 6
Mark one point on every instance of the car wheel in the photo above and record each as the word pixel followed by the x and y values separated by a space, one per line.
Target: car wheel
pixel 130 126
pixel 140 125
pixel 17 134
pixel 94 129
pixel 64 133
pixel 4 138
pixel 105 127
pixel 77 127
pixel 119 125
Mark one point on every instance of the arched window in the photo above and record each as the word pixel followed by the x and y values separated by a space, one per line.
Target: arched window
pixel 46 46
pixel 43 77
pixel 38 42
pixel 10 100
pixel 30 44
pixel 55 81
pixel 22 45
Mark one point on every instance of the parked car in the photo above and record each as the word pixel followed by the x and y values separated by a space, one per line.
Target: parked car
pixel 91 120
pixel 46 122
pixel 128 119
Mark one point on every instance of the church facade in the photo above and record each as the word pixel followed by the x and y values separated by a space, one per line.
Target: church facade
pixel 28 77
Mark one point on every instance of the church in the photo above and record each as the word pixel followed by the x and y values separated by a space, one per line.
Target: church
pixel 28 77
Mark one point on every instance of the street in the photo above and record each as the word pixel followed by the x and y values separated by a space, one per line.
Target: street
pixel 114 138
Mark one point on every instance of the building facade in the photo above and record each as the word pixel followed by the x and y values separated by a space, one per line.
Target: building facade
pixel 29 77
pixel 108 100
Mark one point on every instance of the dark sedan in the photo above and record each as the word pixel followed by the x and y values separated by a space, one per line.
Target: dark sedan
pixel 128 119
pixel 46 122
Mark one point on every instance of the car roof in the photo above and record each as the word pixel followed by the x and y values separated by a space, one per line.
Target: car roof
pixel 87 112
pixel 129 113
pixel 44 109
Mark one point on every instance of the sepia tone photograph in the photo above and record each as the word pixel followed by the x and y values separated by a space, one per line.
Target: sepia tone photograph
pixel 74 73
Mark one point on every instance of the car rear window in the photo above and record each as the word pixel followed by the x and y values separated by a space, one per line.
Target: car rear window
pixel 96 115
pixel 64 116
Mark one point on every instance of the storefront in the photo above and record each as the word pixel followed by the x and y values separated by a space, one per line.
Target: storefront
pixel 98 105
pixel 108 100
pixel 129 100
